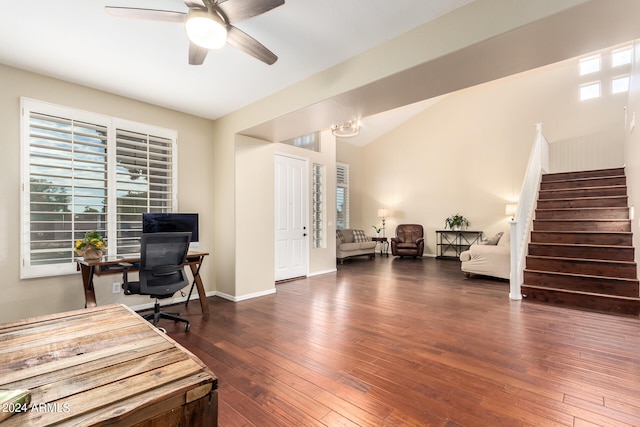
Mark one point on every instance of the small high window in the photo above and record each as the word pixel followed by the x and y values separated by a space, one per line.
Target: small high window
pixel 589 91
pixel 620 84
pixel 621 56
pixel 590 65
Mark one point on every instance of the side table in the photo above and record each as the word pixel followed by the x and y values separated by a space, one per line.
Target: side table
pixel 384 245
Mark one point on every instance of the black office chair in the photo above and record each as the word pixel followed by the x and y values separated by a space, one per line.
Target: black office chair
pixel 161 271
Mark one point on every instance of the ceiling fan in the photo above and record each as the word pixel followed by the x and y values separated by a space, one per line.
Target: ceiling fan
pixel 209 25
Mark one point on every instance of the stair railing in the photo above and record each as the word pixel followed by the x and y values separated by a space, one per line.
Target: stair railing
pixel 521 225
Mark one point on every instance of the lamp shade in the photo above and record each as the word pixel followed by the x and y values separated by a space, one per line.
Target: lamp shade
pixel 383 213
pixel 510 209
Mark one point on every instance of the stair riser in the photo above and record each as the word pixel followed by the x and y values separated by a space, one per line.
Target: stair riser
pixel 582 238
pixel 591 202
pixel 582 174
pixel 577 225
pixel 582 301
pixel 582 192
pixel 608 253
pixel 604 268
pixel 583 183
pixel 592 213
pixel 583 284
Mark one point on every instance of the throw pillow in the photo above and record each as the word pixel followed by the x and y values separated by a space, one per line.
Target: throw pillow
pixel 339 236
pixel 492 240
pixel 359 236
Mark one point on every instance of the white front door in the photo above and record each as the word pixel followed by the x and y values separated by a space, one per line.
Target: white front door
pixel 291 192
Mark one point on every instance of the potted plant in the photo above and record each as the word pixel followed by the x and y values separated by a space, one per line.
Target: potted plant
pixel 91 246
pixel 378 229
pixel 456 222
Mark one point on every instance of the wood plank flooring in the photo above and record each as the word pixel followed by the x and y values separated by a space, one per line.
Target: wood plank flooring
pixel 404 342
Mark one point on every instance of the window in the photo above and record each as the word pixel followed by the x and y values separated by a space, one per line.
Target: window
pixel 83 171
pixel 621 56
pixel 342 199
pixel 608 69
pixel 590 65
pixel 589 91
pixel 318 206
pixel 308 142
pixel 620 84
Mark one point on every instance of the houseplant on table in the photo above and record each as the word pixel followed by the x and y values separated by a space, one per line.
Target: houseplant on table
pixel 378 229
pixel 91 246
pixel 456 222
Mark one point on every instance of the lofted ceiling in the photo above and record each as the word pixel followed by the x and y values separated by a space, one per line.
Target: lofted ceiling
pixel 147 60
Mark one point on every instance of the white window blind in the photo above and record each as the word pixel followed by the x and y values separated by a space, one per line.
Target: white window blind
pixel 342 195
pixel 83 172
pixel 144 183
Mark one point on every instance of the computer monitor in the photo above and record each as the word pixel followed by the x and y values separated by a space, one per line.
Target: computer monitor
pixel 171 222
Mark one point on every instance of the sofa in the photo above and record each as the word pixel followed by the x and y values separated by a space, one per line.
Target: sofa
pixel 490 257
pixel 351 242
pixel 409 241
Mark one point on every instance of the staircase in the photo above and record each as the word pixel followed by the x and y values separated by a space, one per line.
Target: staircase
pixel 581 252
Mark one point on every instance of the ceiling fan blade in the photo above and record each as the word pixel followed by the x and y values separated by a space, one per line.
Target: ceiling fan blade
pixel 152 14
pixel 197 54
pixel 195 3
pixel 239 10
pixel 244 42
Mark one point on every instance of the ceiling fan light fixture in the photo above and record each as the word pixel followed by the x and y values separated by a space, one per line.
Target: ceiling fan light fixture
pixel 206 29
pixel 346 130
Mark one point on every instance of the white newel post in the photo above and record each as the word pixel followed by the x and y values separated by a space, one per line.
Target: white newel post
pixel 514 278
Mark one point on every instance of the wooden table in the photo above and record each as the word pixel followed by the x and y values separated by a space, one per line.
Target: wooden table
pixel 112 265
pixel 384 245
pixel 104 366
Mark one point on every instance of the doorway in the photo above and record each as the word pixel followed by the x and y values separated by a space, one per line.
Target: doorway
pixel 291 217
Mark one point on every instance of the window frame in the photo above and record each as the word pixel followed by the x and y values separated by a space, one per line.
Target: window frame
pixel 345 187
pixel 28 106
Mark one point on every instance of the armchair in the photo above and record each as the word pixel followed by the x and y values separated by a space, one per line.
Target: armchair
pixel 409 241
pixel 161 273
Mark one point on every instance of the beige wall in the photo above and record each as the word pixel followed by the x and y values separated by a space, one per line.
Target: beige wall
pixel 31 297
pixel 352 156
pixel 632 149
pixel 468 152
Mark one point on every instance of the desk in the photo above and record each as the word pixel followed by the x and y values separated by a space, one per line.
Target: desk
pixel 104 366
pixel 111 265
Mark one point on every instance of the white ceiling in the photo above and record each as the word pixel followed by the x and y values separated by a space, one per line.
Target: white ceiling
pixel 146 60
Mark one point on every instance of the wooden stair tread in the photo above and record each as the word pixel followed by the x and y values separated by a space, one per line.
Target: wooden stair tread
pixel 581 245
pixel 582 232
pixel 578 275
pixel 584 178
pixel 570 291
pixel 585 173
pixel 586 208
pixel 591 260
pixel 589 197
pixel 585 219
pixel 597 187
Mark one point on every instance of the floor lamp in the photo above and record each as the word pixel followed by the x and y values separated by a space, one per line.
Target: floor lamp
pixel 383 213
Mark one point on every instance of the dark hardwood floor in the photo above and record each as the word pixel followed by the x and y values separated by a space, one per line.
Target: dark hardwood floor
pixel 401 342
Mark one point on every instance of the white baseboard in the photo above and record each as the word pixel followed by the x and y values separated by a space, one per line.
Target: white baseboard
pixel 245 297
pixel 318 273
